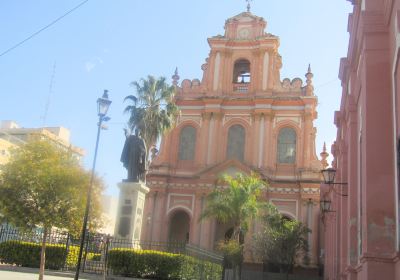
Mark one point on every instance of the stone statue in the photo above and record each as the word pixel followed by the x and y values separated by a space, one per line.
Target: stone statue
pixel 134 158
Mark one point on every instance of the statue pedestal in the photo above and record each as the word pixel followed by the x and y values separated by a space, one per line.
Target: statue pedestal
pixel 130 212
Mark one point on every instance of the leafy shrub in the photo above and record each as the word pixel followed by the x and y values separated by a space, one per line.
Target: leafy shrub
pixel 73 253
pixel 232 251
pixel 94 257
pixel 72 258
pixel 160 265
pixel 28 254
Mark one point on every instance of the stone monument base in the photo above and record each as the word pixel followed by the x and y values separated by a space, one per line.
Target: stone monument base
pixel 128 224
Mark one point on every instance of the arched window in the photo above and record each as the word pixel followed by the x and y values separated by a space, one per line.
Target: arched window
pixel 236 141
pixel 241 71
pixel 187 143
pixel 287 145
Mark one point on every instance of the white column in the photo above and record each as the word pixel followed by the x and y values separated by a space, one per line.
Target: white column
pixel 265 71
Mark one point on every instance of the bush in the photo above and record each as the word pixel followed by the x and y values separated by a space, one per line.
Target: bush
pixel 232 251
pixel 28 254
pixel 160 265
pixel 94 257
pixel 73 253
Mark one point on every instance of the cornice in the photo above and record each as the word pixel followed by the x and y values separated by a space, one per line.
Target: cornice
pixel 154 184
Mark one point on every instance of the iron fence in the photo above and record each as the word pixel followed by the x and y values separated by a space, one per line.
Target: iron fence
pixel 109 256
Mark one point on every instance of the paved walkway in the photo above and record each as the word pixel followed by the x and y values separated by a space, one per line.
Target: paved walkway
pixel 24 273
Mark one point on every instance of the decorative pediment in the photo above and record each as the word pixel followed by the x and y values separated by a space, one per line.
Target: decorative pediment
pixel 244 17
pixel 230 166
pixel 245 26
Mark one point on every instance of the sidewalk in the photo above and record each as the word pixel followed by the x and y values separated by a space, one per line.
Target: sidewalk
pixel 8 272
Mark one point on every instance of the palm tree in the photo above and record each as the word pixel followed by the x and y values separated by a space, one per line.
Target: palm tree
pixel 153 110
pixel 238 203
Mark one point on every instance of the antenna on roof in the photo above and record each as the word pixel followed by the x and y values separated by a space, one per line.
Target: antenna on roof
pixel 46 108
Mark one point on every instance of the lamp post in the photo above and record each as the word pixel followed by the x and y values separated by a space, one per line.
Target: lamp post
pixel 326 205
pixel 103 104
pixel 329 179
pixel 329 175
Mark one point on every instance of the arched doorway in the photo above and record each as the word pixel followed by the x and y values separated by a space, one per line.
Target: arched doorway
pixel 179 227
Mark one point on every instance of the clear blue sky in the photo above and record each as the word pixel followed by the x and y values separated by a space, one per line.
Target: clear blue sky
pixel 107 44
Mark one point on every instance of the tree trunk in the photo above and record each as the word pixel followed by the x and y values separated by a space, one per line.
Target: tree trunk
pixel 236 235
pixel 43 254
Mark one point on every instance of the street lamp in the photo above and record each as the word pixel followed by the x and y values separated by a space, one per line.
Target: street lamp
pixel 329 175
pixel 329 179
pixel 103 104
pixel 326 205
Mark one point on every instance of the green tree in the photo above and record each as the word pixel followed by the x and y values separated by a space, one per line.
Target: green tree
pixel 282 241
pixel 153 110
pixel 238 201
pixel 42 186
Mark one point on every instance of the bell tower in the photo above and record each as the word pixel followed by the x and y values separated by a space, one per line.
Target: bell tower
pixel 243 61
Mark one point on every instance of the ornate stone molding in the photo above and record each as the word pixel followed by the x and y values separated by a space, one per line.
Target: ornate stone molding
pixel 187 186
pixel 310 190
pixel 246 117
pixel 283 190
pixel 195 118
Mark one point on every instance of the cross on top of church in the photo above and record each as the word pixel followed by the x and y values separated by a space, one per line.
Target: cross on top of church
pixel 248 5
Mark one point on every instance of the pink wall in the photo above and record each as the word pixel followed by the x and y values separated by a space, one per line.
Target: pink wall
pixel 361 235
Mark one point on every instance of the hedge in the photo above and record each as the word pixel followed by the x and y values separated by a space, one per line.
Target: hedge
pixel 28 254
pixel 160 265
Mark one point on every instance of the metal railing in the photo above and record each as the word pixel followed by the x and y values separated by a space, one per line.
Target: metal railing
pixel 106 255
pixel 241 87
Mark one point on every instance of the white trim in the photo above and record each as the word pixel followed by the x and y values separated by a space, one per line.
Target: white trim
pixel 349 87
pixel 180 206
pixel 190 107
pixel 223 46
pixel 266 71
pixel 288 200
pixel 284 177
pixel 216 71
pixel 234 115
pixel 396 189
pixel 287 107
pixel 237 107
pixel 260 142
pixel 260 106
pixel 212 106
pixel 287 115
pixel 263 106
pixel 359 196
pixel 288 214
pixel 210 136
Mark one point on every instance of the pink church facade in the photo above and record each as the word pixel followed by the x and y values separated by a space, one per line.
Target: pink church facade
pixel 361 230
pixel 240 117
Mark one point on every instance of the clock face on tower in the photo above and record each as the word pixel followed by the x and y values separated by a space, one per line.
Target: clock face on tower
pixel 244 33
